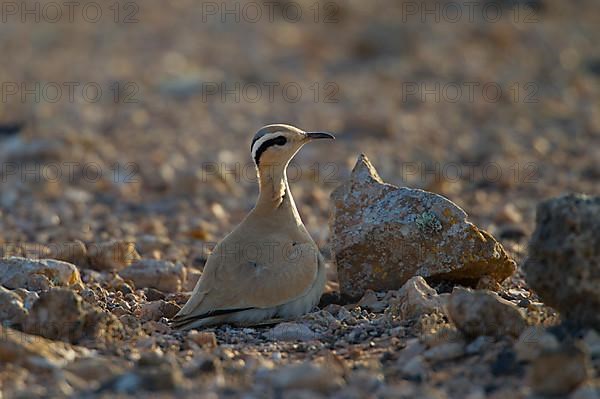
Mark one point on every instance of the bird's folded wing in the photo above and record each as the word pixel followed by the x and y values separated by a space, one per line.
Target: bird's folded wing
pixel 232 282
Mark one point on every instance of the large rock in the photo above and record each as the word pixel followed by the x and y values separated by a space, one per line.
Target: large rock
pixel 149 273
pixel 383 235
pixel 564 257
pixel 37 275
pixel 478 313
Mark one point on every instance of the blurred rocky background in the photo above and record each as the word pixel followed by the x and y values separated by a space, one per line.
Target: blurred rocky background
pixel 125 132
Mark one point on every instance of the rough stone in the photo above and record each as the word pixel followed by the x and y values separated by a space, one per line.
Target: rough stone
pixel 478 313
pixel 157 309
pixel 35 353
pixel 308 376
pixel 28 297
pixel 96 370
pixel 560 371
pixel 162 275
pixel 564 257
pixel 160 374
pixel 416 367
pixel 291 332
pixel 203 338
pixel 60 314
pixel 57 315
pixel 413 348
pixel 371 302
pixel 383 235
pixel 533 341
pixel 415 298
pixel 446 351
pixel 587 391
pixel 37 275
pixel 12 310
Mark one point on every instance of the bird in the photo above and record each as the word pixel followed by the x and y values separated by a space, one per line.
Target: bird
pixel 268 268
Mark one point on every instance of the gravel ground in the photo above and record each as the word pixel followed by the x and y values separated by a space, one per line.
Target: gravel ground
pixel 137 127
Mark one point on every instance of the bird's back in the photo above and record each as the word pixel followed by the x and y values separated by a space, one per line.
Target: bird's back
pixel 250 265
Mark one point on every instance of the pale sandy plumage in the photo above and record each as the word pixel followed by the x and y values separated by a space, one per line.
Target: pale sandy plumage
pixel 268 266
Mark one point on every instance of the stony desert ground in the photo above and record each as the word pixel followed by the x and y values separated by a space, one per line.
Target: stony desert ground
pixel 125 130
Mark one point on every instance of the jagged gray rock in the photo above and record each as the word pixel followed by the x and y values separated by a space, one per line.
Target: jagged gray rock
pixel 383 235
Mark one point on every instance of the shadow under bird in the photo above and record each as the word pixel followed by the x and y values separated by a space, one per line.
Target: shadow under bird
pixel 268 267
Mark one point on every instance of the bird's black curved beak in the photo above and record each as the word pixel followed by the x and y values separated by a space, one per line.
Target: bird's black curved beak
pixel 319 135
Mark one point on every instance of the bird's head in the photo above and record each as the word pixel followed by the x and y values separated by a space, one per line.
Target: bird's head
pixel 277 144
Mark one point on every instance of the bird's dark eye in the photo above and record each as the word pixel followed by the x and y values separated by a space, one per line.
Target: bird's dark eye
pixel 279 140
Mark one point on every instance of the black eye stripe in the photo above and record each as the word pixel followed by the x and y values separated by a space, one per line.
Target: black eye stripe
pixel 279 140
pixel 262 132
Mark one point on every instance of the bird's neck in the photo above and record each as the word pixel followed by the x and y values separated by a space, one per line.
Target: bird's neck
pixel 274 189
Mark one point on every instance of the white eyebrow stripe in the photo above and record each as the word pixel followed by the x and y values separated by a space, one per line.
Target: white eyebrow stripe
pixel 261 140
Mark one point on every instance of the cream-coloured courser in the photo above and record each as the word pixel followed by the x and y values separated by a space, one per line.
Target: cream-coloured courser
pixel 269 266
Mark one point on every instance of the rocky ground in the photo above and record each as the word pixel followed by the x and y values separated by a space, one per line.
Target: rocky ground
pixel 113 194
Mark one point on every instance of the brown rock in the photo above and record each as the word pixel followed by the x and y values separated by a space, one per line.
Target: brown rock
pixel 533 341
pixel 292 332
pixel 478 313
pixel 308 376
pixel 35 353
pixel 12 311
pixel 383 235
pixel 203 339
pixel 96 370
pixel 371 302
pixel 153 373
pixel 60 314
pixel 37 275
pixel 564 261
pixel 57 315
pixel 149 273
pixel 157 309
pixel 445 351
pixel 416 298
pixel 100 326
pixel 558 372
pixel 112 255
